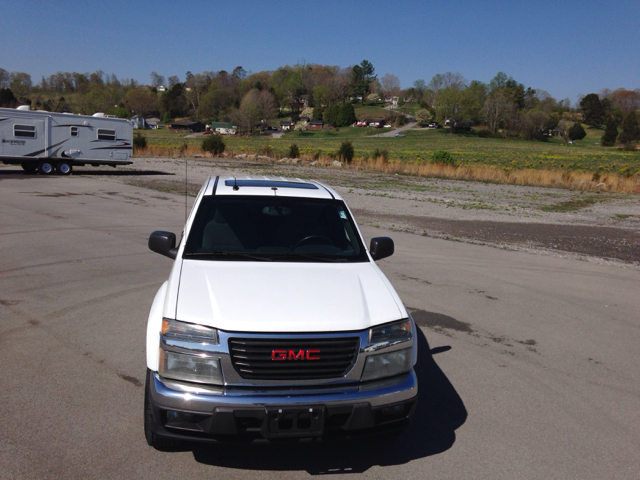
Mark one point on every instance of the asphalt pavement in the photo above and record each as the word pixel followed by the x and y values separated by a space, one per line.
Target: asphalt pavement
pixel 528 364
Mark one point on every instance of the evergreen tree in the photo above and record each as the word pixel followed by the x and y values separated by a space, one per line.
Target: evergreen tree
pixel 630 130
pixel 610 133
pixel 347 115
pixel 576 132
pixel 592 110
pixel 330 115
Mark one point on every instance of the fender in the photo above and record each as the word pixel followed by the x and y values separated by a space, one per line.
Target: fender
pixel 154 325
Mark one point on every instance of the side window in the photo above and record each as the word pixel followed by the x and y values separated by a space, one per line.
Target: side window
pixel 106 134
pixel 74 131
pixel 28 131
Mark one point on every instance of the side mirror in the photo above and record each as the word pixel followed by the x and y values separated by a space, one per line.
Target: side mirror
pixel 381 247
pixel 163 243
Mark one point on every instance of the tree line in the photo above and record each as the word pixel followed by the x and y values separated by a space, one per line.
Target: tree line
pixel 505 106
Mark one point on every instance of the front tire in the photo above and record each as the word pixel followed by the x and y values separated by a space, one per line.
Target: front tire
pixel 154 440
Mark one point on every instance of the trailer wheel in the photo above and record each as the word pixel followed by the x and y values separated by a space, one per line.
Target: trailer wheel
pixel 45 167
pixel 29 167
pixel 64 168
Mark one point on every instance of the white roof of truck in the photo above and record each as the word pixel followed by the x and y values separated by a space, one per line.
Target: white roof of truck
pixel 261 186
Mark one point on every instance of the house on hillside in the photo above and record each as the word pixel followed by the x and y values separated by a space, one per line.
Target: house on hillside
pixel 187 126
pixel 153 122
pixel 285 125
pixel 140 122
pixel 315 125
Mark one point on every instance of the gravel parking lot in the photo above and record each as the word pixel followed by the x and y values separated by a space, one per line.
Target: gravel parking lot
pixel 527 362
pixel 597 227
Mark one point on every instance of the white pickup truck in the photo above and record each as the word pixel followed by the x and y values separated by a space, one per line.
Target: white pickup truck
pixel 275 321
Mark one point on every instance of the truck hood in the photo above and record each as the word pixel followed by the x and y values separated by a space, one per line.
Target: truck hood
pixel 285 297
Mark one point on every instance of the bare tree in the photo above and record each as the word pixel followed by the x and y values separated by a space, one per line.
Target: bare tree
pixel 4 78
pixel 267 105
pixel 156 80
pixel 173 79
pixel 497 108
pixel 390 84
pixel 141 101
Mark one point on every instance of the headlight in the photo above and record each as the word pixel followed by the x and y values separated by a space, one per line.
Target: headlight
pixel 190 368
pixel 387 364
pixel 189 332
pixel 390 331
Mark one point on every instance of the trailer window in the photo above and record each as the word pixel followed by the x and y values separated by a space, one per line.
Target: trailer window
pixel 74 131
pixel 106 134
pixel 24 131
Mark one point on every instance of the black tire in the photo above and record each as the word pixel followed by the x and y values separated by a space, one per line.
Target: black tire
pixel 154 440
pixel 45 167
pixel 29 167
pixel 64 168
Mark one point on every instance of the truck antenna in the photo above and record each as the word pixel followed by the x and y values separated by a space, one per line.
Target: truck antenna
pixel 186 189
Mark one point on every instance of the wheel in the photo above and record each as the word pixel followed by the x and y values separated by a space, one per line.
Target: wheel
pixel 45 167
pixel 64 168
pixel 29 167
pixel 322 240
pixel 153 439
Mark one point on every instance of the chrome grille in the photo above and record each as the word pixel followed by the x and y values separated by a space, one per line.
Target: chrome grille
pixel 253 357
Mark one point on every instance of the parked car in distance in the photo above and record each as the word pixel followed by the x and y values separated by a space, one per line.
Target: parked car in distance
pixel 400 135
pixel 207 132
pixel 435 125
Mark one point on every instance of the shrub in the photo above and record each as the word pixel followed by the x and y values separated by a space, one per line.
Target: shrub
pixel 384 153
pixel 608 139
pixel 484 133
pixel 443 157
pixel 346 151
pixel 630 131
pixel 576 132
pixel 139 140
pixel 294 152
pixel 213 144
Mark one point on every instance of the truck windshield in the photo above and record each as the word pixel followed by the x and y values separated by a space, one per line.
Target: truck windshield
pixel 289 229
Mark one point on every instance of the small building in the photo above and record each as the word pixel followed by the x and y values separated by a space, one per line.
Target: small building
pixel 316 125
pixel 153 122
pixel 285 125
pixel 187 126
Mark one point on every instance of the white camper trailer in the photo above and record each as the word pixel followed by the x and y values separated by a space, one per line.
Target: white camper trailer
pixel 49 142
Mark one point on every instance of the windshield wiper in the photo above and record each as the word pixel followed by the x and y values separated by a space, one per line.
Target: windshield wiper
pixel 220 253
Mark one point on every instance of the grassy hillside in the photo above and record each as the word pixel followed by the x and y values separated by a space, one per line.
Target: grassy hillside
pixel 418 146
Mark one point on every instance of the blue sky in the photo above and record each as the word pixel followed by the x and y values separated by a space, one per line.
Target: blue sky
pixel 567 48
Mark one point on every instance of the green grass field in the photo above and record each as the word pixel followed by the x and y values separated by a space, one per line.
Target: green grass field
pixel 419 145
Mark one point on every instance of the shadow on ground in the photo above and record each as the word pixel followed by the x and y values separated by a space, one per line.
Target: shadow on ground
pixel 114 172
pixel 439 413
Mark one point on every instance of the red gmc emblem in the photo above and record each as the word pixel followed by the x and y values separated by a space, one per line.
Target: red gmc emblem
pixel 293 355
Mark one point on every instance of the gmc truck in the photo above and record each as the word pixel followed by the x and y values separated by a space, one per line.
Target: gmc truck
pixel 275 321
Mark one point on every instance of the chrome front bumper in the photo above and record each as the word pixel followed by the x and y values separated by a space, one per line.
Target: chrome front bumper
pixel 188 412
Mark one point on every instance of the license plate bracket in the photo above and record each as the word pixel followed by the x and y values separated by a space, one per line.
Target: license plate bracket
pixel 294 422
